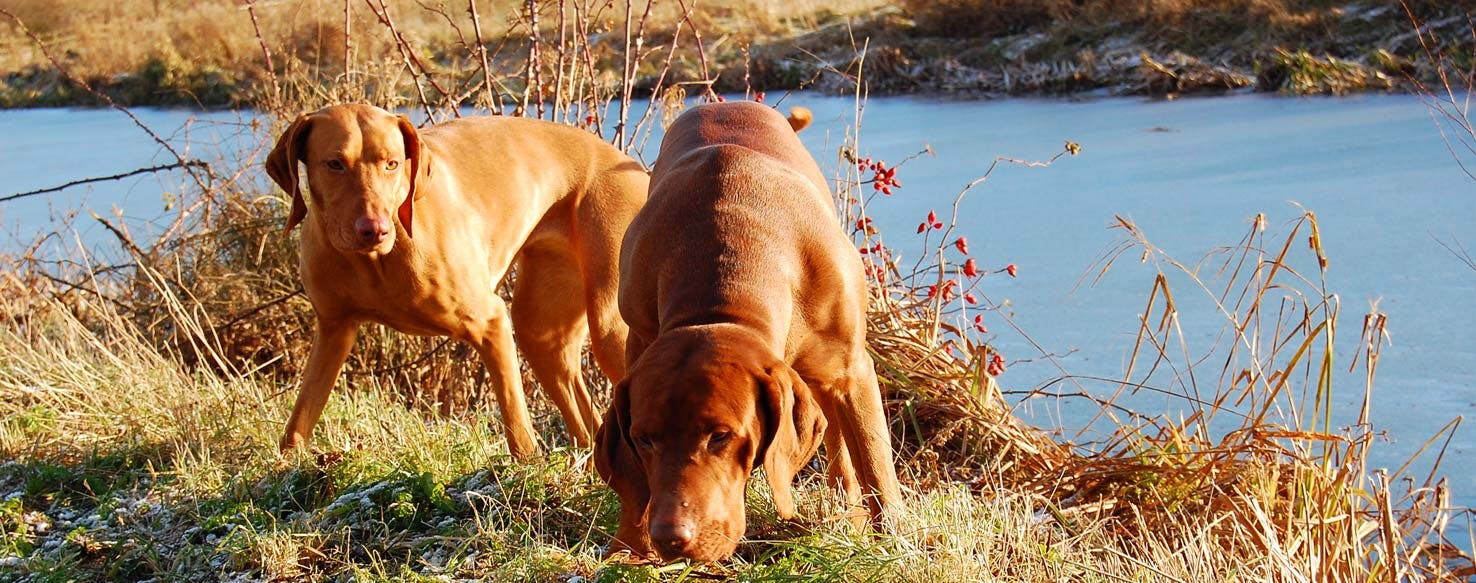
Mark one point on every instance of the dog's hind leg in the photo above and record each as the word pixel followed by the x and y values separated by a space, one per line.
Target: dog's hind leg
pixel 602 219
pixel 549 324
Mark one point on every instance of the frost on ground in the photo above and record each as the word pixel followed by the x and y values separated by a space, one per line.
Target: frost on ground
pixel 297 523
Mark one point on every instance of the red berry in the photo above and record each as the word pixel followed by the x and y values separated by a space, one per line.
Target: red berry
pixel 970 268
pixel 932 217
pixel 962 244
pixel 1012 269
pixel 996 365
pixel 922 227
pixel 969 297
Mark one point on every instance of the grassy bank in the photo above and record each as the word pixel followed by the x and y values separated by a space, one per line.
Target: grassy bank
pixel 221 52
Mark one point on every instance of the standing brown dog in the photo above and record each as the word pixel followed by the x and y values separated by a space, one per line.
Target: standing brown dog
pixel 414 230
pixel 747 308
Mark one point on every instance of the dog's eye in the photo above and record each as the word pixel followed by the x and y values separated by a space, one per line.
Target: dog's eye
pixel 391 164
pixel 335 165
pixel 645 442
pixel 719 439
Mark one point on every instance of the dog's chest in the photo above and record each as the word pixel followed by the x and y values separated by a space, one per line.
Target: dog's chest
pixel 429 299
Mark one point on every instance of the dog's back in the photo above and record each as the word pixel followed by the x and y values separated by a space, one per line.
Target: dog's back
pixel 739 224
pixel 749 125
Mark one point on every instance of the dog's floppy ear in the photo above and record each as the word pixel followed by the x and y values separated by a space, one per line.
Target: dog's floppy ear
pixel 281 165
pixel 792 429
pixel 416 157
pixel 618 465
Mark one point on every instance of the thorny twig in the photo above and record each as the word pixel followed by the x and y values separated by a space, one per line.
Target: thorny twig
pixel 494 98
pixel 185 164
pixel 412 63
pixel 348 44
pixel 533 83
pixel 266 54
pixel 707 79
pixel 657 89
pixel 632 58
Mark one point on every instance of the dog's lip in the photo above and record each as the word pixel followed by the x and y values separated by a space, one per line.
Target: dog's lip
pixel 698 555
pixel 708 548
pixel 380 247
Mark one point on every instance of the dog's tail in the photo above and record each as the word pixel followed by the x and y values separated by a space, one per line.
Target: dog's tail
pixel 800 118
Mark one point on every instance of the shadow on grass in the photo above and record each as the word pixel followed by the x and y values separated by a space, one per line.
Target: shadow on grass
pixel 125 515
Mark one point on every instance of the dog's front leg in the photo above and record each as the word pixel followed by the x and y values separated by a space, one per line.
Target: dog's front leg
pixel 840 470
pixel 493 340
pixel 864 425
pixel 331 346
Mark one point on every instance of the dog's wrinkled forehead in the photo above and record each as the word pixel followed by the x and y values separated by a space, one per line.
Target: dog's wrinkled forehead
pixel 722 390
pixel 354 132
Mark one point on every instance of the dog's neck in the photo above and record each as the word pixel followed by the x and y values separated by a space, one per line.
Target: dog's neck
pixel 382 265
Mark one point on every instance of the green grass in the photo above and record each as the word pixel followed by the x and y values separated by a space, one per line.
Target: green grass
pixel 204 495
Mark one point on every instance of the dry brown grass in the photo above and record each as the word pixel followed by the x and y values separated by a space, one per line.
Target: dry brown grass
pixel 323 42
pixel 208 53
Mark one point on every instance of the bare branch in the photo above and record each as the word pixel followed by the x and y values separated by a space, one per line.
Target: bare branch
pixel 185 164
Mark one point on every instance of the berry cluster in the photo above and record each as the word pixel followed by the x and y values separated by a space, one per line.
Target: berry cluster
pixel 944 289
pixel 996 365
pixel 883 178
pixel 931 223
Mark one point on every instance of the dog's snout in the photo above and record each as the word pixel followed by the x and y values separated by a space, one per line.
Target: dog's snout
pixel 673 537
pixel 372 230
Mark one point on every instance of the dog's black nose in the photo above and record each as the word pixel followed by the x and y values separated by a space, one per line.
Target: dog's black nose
pixel 674 537
pixel 371 230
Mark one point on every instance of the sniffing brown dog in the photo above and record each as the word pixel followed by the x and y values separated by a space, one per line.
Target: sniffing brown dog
pixel 414 230
pixel 747 306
